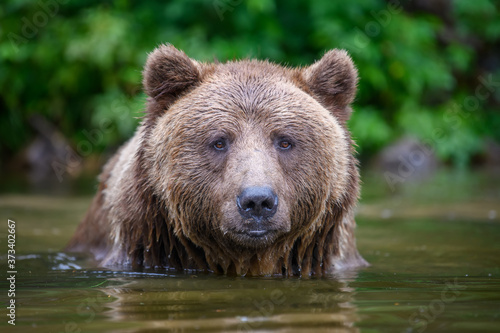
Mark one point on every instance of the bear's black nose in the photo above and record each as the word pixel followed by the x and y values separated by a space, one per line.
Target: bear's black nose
pixel 257 203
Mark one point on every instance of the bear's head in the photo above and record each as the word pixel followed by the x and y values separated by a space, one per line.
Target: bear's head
pixel 251 160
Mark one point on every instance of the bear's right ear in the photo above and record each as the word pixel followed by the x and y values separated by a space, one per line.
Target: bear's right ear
pixel 168 73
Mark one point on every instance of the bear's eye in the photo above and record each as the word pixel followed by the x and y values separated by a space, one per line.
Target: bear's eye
pixel 284 144
pixel 220 144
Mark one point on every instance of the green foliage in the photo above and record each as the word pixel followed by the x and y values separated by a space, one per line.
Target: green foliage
pixel 369 127
pixel 80 67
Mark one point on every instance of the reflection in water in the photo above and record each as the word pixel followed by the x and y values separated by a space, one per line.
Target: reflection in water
pixel 189 302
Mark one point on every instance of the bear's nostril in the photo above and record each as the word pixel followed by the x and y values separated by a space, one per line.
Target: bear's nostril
pixel 257 203
pixel 251 205
pixel 266 204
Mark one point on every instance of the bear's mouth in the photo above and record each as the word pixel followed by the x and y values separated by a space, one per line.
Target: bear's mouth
pixel 257 233
pixel 253 238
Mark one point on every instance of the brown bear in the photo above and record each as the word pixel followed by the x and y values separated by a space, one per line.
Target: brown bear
pixel 244 167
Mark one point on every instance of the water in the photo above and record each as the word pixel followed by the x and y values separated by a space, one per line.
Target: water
pixel 434 249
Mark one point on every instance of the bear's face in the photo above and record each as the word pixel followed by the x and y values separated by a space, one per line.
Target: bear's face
pixel 243 153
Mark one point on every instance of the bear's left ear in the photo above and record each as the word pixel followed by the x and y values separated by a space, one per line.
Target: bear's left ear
pixel 168 74
pixel 333 80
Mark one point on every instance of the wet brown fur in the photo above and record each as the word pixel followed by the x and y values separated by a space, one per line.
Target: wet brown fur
pixel 166 200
